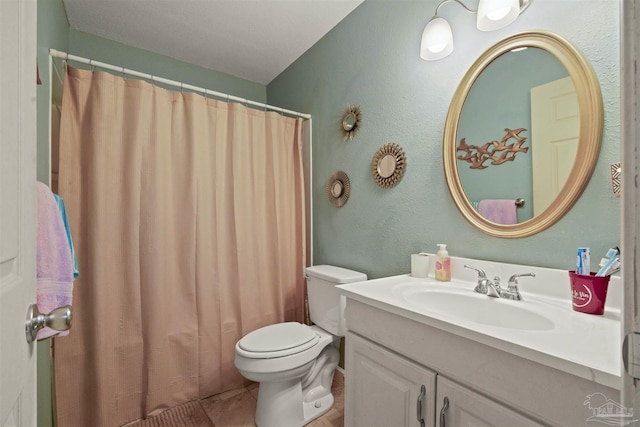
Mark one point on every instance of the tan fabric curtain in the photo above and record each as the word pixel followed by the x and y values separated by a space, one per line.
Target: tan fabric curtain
pixel 187 215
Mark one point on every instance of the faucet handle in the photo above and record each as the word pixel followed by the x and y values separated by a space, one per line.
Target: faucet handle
pixel 483 283
pixel 513 280
pixel 481 274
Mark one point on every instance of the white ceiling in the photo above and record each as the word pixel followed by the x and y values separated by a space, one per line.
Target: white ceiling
pixel 251 39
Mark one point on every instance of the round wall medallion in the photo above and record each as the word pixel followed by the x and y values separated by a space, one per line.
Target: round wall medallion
pixel 351 122
pixel 388 164
pixel 338 189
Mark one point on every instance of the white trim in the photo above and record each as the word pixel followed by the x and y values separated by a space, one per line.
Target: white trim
pixel 629 146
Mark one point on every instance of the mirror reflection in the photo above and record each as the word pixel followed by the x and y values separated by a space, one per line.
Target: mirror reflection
pixel 541 77
pixel 349 121
pixel 387 166
pixel 336 189
pixel 512 103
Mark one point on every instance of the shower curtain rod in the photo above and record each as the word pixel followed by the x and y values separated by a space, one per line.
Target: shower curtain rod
pixel 67 56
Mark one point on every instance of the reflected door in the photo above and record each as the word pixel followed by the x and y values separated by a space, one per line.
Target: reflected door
pixel 17 210
pixel 555 132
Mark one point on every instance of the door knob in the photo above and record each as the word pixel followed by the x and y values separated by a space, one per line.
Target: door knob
pixel 58 320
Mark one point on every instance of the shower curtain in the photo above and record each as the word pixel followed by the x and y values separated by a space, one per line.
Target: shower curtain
pixel 188 219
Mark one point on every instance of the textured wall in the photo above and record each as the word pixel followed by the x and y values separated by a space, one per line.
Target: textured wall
pixel 371 59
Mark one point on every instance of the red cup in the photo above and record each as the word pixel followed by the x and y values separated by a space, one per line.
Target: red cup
pixel 588 292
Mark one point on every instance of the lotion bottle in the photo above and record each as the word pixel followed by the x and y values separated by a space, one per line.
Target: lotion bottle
pixel 443 264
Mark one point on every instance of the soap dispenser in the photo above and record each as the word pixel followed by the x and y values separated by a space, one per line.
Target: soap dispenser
pixel 443 264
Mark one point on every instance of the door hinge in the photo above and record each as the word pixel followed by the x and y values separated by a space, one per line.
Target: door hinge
pixel 631 354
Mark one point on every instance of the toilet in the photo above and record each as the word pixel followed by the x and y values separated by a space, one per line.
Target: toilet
pixel 294 363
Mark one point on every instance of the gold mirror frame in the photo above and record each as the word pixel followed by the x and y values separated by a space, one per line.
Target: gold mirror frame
pixel 591 124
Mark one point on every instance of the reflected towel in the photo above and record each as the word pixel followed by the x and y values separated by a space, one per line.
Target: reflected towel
pixel 54 267
pixel 500 211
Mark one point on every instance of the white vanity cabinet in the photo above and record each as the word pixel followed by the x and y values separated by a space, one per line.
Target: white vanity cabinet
pixel 458 406
pixel 385 389
pixel 389 357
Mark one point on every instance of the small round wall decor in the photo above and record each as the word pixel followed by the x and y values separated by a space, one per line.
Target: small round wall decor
pixel 338 189
pixel 351 122
pixel 388 165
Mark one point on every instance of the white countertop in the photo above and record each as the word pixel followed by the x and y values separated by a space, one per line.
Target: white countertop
pixel 581 344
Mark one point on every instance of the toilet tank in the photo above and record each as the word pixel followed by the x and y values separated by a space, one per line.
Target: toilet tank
pixel 326 305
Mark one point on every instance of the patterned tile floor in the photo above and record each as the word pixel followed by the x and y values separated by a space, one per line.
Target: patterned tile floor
pixel 237 408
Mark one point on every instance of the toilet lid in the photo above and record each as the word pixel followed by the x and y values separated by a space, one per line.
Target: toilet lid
pixel 279 340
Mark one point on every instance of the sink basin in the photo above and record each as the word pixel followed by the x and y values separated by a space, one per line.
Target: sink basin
pixel 464 304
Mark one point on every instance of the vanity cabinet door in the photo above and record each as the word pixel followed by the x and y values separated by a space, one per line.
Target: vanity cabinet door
pixel 384 389
pixel 458 406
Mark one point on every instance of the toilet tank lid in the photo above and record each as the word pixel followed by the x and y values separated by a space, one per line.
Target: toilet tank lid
pixel 335 274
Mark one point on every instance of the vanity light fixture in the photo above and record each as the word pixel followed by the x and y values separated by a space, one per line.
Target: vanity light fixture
pixel 437 38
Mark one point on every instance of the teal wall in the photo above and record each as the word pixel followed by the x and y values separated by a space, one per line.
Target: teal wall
pixel 371 59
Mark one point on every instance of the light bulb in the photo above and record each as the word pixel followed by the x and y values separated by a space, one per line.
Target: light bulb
pixel 496 14
pixel 437 39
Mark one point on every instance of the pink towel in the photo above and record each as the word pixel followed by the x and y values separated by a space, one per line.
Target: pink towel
pixel 500 211
pixel 53 259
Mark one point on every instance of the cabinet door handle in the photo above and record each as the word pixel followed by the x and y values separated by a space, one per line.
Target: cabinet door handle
pixel 443 411
pixel 423 392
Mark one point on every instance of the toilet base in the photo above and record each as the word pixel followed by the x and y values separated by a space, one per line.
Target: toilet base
pixel 289 404
pixel 313 410
pixel 286 397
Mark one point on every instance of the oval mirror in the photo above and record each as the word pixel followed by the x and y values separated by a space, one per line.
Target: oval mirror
pixel 387 166
pixel 349 121
pixel 336 189
pixel 498 143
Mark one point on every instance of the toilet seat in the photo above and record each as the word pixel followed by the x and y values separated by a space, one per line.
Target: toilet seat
pixel 279 340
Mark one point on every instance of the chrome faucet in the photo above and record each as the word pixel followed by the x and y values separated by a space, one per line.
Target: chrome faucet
pixel 484 285
pixel 512 291
pixel 493 289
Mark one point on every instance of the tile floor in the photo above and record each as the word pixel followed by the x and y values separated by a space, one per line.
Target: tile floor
pixel 237 408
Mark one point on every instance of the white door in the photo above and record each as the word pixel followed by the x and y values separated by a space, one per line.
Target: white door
pixel 630 235
pixel 17 210
pixel 555 131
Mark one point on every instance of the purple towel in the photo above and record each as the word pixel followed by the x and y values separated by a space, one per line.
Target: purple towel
pixel 54 265
pixel 500 211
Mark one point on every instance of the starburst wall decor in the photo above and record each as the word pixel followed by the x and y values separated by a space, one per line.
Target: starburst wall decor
pixel 351 122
